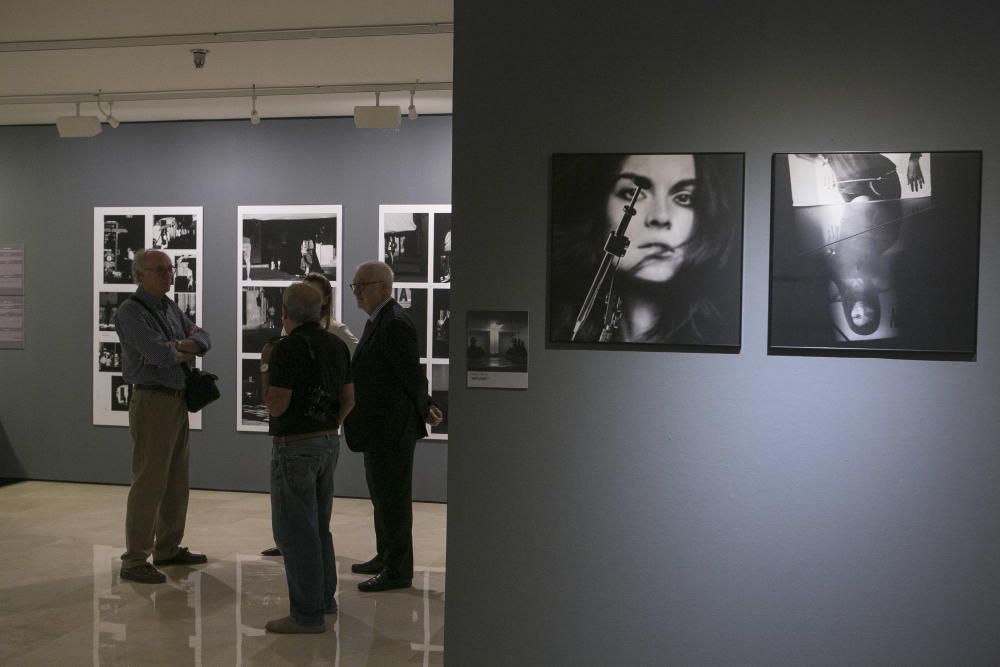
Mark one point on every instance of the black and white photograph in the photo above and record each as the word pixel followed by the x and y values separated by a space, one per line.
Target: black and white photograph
pixel 414 301
pixel 645 251
pixel 175 232
pixel 252 407
pixel 278 245
pixel 439 394
pixel 875 253
pixel 261 316
pixel 109 359
pixel 124 235
pixel 185 273
pixel 442 323
pixel 404 237
pixel 287 246
pixel 121 394
pixel 107 308
pixel 415 240
pixel 442 247
pixel 119 233
pixel 188 303
pixel 496 353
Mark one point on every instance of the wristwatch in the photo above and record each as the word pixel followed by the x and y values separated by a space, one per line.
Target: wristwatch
pixel 264 367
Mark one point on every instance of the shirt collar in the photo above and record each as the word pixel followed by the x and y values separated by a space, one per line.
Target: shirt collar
pixel 150 299
pixel 378 309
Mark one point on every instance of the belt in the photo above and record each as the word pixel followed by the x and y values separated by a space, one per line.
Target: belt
pixel 285 439
pixel 160 389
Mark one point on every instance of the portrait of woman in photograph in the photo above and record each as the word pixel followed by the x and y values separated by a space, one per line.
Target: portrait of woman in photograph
pixel 679 280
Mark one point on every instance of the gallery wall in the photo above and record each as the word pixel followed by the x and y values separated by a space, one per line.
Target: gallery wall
pixel 689 508
pixel 48 190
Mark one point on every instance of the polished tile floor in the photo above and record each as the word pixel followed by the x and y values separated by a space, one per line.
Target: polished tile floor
pixel 61 601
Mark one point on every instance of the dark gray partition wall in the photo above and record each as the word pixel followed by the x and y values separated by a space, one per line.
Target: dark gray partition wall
pixel 48 188
pixel 654 508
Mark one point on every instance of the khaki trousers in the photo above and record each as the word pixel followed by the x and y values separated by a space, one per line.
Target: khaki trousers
pixel 158 499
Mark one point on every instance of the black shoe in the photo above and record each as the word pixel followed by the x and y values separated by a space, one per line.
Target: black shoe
pixel 273 551
pixel 143 574
pixel 382 582
pixel 182 557
pixel 373 566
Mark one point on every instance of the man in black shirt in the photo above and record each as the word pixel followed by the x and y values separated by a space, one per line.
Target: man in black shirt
pixel 306 379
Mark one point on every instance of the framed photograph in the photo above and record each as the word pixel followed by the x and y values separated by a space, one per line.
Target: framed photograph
pixel 279 245
pixel 119 233
pixel 175 232
pixel 124 235
pixel 404 242
pixel 253 411
pixel 875 254
pixel 284 243
pixel 646 251
pixel 496 353
pixel 415 240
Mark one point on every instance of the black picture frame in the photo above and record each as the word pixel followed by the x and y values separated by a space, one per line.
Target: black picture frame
pixel 875 254
pixel 679 284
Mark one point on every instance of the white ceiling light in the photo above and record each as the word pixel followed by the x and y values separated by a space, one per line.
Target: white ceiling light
pixel 74 127
pixel 377 117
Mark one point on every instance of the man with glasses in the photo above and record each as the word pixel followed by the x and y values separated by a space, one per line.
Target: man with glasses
pixel 157 417
pixel 391 407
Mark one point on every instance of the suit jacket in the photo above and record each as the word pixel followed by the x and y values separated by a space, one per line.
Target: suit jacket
pixel 390 387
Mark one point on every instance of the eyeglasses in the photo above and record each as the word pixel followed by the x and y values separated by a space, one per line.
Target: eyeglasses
pixel 359 286
pixel 162 270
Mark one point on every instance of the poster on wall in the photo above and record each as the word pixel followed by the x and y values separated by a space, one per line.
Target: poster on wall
pixel 119 233
pixel 496 353
pixel 415 241
pixel 12 269
pixel 875 253
pixel 11 322
pixel 645 251
pixel 279 245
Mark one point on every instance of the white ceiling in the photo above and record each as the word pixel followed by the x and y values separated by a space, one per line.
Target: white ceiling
pixel 33 70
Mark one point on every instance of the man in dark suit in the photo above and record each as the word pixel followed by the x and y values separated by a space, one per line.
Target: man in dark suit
pixel 391 407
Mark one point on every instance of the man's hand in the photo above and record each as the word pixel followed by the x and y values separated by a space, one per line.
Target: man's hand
pixel 434 416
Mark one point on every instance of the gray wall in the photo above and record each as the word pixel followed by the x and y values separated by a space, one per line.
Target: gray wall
pixel 636 508
pixel 48 188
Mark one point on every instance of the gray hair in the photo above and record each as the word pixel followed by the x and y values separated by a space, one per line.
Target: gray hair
pixel 379 271
pixel 302 302
pixel 139 262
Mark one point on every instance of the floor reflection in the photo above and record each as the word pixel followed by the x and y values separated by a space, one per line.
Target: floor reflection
pixel 213 614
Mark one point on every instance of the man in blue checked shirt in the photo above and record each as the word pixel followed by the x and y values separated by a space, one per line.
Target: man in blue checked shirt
pixel 158 419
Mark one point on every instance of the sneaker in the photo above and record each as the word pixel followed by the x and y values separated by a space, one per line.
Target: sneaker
pixel 286 626
pixel 182 557
pixel 143 574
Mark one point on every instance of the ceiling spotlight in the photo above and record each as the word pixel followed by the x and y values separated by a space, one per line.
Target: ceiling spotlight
pixel 112 121
pixel 254 116
pixel 199 57
pixel 108 115
pixel 411 112
pixel 377 117
pixel 74 127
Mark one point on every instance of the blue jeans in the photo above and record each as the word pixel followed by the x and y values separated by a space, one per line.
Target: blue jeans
pixel 301 505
